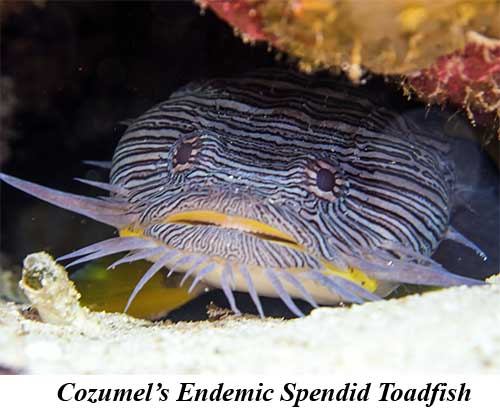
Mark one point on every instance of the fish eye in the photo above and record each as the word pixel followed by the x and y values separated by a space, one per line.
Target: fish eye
pixel 183 154
pixel 325 180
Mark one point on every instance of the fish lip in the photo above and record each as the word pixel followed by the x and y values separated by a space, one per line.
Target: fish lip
pixel 220 220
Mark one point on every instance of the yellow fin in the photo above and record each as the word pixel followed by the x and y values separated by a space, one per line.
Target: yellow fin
pixel 109 290
pixel 130 232
pixel 354 275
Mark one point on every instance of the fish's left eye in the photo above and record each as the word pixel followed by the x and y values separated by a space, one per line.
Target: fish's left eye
pixel 325 180
pixel 184 150
pixel 183 153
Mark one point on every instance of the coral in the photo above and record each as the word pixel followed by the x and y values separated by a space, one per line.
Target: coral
pixel 468 78
pixel 242 15
pixel 60 301
pixel 48 288
pixel 54 296
pixel 327 33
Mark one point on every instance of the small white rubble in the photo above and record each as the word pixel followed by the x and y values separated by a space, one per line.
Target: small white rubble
pixel 455 330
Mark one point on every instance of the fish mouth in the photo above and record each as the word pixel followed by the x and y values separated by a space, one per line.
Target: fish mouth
pixel 248 226
pixel 295 260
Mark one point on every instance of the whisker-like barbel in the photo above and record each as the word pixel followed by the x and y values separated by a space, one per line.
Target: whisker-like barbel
pixel 331 284
pixel 110 246
pixel 227 274
pixel 203 272
pixel 104 186
pixel 198 263
pixel 109 212
pixel 136 256
pixel 103 164
pixel 157 266
pixel 251 290
pixel 453 235
pixel 180 262
pixel 282 293
pixel 299 286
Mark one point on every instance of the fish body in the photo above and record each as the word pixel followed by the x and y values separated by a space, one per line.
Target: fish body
pixel 277 184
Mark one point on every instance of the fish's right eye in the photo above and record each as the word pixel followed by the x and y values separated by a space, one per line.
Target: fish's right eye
pixel 183 153
pixel 325 180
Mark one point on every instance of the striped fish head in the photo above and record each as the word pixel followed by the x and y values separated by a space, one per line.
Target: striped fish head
pixel 313 203
pixel 230 200
pixel 265 186
pixel 205 181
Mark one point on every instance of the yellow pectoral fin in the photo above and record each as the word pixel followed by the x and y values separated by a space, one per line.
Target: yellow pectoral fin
pixel 109 290
pixel 130 232
pixel 354 275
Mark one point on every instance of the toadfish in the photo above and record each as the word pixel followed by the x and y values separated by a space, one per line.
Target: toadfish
pixel 276 184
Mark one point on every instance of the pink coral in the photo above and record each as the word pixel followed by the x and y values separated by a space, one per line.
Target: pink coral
pixel 241 15
pixel 468 78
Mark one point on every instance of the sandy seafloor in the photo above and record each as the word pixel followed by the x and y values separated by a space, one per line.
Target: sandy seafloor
pixel 456 330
